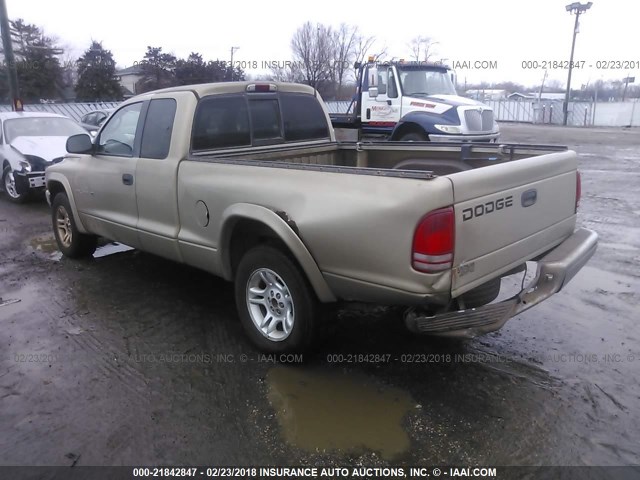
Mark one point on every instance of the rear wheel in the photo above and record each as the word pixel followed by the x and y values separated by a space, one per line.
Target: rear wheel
pixel 71 242
pixel 277 307
pixel 414 137
pixel 9 183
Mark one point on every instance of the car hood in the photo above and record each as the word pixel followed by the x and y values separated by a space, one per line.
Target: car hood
pixel 47 148
pixel 455 100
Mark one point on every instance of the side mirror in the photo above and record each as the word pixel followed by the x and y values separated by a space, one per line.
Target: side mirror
pixel 373 92
pixel 80 143
pixel 373 76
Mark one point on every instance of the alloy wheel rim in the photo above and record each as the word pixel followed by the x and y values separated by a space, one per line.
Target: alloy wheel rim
pixel 270 304
pixel 10 185
pixel 63 225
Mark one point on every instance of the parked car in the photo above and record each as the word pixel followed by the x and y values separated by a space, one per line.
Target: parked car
pixel 246 181
pixel 92 121
pixel 29 143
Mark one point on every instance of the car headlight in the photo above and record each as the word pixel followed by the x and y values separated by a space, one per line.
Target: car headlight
pixel 453 129
pixel 24 165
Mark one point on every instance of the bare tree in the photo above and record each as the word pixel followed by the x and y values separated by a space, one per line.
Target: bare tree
pixel 323 57
pixel 286 72
pixel 366 46
pixel 422 48
pixel 346 39
pixel 313 47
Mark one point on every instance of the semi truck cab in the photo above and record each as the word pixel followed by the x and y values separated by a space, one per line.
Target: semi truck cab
pixel 415 101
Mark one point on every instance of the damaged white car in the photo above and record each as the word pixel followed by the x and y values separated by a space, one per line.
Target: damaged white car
pixel 29 143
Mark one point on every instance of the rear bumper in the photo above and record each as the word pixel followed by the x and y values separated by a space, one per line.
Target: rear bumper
pixel 555 270
pixel 485 137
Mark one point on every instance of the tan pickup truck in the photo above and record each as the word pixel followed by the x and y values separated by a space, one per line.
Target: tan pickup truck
pixel 245 180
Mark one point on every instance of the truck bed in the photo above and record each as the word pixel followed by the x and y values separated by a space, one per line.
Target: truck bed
pixel 331 184
pixel 383 158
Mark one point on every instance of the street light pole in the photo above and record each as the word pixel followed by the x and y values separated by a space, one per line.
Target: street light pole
pixel 233 49
pixel 9 58
pixel 576 8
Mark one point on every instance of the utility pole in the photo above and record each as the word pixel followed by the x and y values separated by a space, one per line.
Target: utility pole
pixel 233 49
pixel 627 81
pixel 576 8
pixel 544 77
pixel 9 58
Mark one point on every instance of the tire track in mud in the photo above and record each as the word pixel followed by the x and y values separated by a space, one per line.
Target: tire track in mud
pixel 518 367
pixel 109 361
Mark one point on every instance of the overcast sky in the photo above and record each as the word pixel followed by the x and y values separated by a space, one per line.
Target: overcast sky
pixel 507 32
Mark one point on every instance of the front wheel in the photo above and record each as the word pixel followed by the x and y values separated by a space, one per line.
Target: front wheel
pixel 9 183
pixel 414 137
pixel 277 307
pixel 71 242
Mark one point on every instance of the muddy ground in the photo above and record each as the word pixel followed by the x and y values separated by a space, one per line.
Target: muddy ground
pixel 129 359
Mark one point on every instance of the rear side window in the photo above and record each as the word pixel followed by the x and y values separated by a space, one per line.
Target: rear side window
pixel 303 117
pixel 89 118
pixel 265 119
pixel 221 122
pixel 158 126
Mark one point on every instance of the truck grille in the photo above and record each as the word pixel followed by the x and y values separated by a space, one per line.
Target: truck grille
pixel 487 120
pixel 479 121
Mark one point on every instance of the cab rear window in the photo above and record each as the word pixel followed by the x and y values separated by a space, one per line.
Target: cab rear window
pixel 221 122
pixel 303 117
pixel 241 120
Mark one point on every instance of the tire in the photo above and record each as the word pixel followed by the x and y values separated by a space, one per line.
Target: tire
pixel 414 137
pixel 71 242
pixel 483 294
pixel 282 302
pixel 9 185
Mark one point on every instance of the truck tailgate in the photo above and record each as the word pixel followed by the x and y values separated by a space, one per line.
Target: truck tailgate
pixel 509 213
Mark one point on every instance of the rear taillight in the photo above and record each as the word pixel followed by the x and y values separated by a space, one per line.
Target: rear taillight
pixel 433 241
pixel 578 190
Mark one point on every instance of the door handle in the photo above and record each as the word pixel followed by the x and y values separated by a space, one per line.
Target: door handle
pixel 127 179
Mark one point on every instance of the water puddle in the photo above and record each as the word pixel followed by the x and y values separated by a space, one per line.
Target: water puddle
pixel 22 299
pixel 45 244
pixel 320 411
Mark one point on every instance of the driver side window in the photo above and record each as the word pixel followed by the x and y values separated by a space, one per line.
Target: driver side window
pixel 118 136
pixel 382 81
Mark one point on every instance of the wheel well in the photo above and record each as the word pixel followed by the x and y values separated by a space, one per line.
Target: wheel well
pixel 408 128
pixel 248 234
pixel 54 189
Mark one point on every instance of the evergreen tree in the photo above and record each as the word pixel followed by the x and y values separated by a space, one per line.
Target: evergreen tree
pixel 97 76
pixel 39 70
pixel 192 70
pixel 158 69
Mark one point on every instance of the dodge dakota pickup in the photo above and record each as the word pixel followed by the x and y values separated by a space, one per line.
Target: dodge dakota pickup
pixel 245 180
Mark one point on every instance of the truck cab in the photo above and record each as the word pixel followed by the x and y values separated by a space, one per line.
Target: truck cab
pixel 416 101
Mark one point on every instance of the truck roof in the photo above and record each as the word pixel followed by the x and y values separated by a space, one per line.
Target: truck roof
pixel 204 89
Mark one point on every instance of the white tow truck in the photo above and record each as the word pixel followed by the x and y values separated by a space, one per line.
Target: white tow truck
pixel 415 101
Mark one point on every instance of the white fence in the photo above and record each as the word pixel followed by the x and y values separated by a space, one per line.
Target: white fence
pixel 615 114
pixel 71 110
pixel 588 114
pixel 581 114
pixel 601 114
